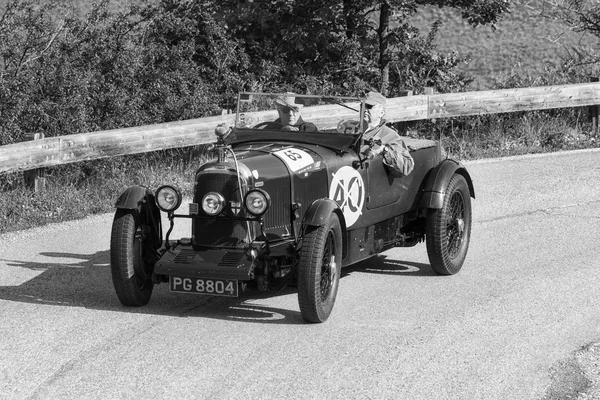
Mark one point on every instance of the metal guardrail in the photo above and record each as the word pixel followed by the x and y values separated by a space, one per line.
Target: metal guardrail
pixel 53 151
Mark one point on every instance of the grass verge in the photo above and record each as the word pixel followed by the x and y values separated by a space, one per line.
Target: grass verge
pixel 77 190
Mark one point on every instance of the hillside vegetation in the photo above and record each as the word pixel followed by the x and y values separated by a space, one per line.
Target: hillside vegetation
pixel 523 43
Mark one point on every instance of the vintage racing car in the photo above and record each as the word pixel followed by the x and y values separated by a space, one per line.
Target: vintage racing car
pixel 275 207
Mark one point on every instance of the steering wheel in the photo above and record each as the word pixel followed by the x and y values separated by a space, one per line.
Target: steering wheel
pixel 268 125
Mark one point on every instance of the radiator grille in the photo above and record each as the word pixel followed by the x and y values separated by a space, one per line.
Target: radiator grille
pixel 218 232
pixel 278 215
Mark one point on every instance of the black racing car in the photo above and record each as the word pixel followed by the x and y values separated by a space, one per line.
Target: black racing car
pixel 277 207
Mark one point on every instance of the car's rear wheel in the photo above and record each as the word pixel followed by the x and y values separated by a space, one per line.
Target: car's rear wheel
pixel 448 230
pixel 132 277
pixel 319 270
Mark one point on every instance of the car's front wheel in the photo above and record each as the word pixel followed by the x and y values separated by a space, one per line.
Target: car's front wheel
pixel 131 275
pixel 448 229
pixel 319 270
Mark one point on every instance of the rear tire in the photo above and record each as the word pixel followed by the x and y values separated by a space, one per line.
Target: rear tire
pixel 319 270
pixel 448 230
pixel 132 277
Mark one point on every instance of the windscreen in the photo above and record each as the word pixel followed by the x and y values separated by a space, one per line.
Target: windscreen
pixel 299 113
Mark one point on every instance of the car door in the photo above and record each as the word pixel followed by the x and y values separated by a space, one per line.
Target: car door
pixel 388 195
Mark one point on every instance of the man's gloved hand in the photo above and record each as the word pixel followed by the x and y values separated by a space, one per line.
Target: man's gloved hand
pixel 370 153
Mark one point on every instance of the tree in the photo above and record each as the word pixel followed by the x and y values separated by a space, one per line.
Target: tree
pixel 62 74
pixel 349 44
pixel 31 37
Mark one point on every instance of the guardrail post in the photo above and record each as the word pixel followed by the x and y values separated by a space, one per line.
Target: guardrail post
pixel 429 91
pixel 594 111
pixel 403 126
pixel 34 179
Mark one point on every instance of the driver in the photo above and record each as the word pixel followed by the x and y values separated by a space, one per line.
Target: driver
pixel 289 114
pixel 396 155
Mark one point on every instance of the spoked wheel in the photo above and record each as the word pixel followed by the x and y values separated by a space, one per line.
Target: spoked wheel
pixel 131 276
pixel 319 270
pixel 449 229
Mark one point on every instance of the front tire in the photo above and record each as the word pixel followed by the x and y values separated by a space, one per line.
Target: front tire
pixel 131 275
pixel 448 230
pixel 319 270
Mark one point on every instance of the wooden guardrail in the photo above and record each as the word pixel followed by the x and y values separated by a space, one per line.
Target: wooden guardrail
pixel 116 142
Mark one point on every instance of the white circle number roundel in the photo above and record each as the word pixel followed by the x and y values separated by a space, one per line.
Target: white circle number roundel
pixel 348 191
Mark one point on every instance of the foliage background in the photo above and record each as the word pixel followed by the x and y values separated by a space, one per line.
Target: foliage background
pixel 522 41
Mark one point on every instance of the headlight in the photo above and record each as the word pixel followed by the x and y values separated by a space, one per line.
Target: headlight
pixel 168 198
pixel 257 202
pixel 213 203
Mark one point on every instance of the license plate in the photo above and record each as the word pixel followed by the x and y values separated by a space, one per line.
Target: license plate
pixel 214 287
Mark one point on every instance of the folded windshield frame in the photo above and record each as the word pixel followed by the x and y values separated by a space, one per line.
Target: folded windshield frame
pixel 326 112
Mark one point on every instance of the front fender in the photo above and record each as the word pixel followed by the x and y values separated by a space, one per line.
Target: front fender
pixel 319 211
pixel 133 197
pixel 435 187
pixel 142 200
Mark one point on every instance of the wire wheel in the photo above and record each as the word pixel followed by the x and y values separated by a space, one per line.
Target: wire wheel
pixel 448 230
pixel 455 226
pixel 328 267
pixel 319 270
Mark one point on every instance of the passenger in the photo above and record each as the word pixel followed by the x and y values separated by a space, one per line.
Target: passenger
pixel 289 114
pixel 396 155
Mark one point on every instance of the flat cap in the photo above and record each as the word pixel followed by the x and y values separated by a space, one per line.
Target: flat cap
pixel 374 98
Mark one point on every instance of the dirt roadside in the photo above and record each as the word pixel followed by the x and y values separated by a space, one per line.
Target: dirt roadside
pixel 578 377
pixel 589 360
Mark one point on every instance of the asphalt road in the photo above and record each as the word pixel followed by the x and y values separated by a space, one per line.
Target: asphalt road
pixel 513 324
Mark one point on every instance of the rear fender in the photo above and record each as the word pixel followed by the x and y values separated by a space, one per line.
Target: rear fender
pixel 435 187
pixel 142 200
pixel 317 215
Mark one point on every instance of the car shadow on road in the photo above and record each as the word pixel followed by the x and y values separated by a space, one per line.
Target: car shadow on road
pixel 84 280
pixel 76 281
pixel 246 308
pixel 383 265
